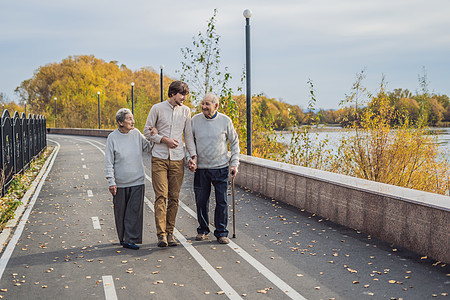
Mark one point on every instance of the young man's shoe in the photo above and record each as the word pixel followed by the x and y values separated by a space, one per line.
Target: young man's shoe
pixel 223 240
pixel 171 241
pixel 200 237
pixel 162 241
pixel 131 246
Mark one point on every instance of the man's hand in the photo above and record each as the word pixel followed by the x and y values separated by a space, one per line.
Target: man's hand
pixel 113 189
pixel 233 171
pixel 171 143
pixel 193 164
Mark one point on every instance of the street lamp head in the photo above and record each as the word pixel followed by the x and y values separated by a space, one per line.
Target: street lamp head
pixel 161 67
pixel 132 84
pixel 98 93
pixel 55 98
pixel 247 13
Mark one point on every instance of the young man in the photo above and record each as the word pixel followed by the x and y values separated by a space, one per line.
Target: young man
pixel 172 120
pixel 212 132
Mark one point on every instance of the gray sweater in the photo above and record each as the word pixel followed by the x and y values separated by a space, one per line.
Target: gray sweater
pixel 211 137
pixel 123 158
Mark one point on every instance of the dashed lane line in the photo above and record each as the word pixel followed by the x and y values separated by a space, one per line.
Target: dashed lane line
pixel 96 223
pixel 108 287
pixel 282 285
pixel 86 177
pixel 89 193
pixel 218 279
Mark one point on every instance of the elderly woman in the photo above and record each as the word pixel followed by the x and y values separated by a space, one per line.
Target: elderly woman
pixel 125 175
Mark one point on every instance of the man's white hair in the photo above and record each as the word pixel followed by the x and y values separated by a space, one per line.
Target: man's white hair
pixel 213 97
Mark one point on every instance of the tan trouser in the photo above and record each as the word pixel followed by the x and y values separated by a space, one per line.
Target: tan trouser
pixel 167 177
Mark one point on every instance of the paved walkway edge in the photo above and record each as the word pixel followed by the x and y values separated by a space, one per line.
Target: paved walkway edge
pixel 11 224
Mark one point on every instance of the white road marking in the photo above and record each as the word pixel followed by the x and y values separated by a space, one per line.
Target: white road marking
pixel 90 194
pixel 108 287
pixel 82 159
pixel 283 286
pixel 81 153
pixel 84 166
pixel 96 223
pixel 288 290
pixel 86 176
pixel 218 279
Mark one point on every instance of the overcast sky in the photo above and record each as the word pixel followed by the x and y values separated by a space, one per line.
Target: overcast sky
pixel 327 41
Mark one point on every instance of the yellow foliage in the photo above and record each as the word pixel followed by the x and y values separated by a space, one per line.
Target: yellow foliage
pixel 75 82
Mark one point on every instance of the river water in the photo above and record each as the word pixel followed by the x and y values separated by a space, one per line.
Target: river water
pixel 335 134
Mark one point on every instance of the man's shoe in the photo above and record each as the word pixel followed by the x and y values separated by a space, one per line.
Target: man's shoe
pixel 162 241
pixel 200 237
pixel 171 240
pixel 223 240
pixel 131 246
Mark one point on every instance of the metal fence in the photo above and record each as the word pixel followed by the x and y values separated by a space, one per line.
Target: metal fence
pixel 22 139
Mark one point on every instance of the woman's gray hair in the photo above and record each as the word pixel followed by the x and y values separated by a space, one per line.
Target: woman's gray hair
pixel 121 114
pixel 213 97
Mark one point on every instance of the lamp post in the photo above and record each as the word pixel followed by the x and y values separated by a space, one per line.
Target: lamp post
pixel 98 104
pixel 161 82
pixel 247 14
pixel 25 108
pixel 132 98
pixel 55 115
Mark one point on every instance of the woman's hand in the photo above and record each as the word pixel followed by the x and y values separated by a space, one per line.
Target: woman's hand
pixel 153 131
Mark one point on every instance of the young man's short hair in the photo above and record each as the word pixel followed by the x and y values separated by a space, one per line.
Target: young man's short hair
pixel 178 87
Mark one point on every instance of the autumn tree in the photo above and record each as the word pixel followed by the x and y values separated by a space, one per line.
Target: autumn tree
pixel 75 83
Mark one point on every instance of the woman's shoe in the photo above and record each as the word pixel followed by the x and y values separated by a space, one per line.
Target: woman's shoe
pixel 131 246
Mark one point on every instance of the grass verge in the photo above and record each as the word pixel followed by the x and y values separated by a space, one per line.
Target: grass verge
pixel 19 186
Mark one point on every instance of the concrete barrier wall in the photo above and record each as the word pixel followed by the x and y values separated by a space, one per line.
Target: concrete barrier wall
pixel 80 131
pixel 416 220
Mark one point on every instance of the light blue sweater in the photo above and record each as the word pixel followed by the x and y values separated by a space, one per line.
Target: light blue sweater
pixel 211 137
pixel 123 158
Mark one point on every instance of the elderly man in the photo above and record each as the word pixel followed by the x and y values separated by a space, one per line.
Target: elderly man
pixel 172 121
pixel 212 131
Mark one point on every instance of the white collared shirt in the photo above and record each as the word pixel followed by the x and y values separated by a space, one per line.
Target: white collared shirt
pixel 171 122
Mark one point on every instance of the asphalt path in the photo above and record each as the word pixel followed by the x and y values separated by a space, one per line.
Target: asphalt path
pixel 67 248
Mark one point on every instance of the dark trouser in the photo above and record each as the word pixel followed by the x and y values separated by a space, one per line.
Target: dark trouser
pixel 202 187
pixel 128 213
